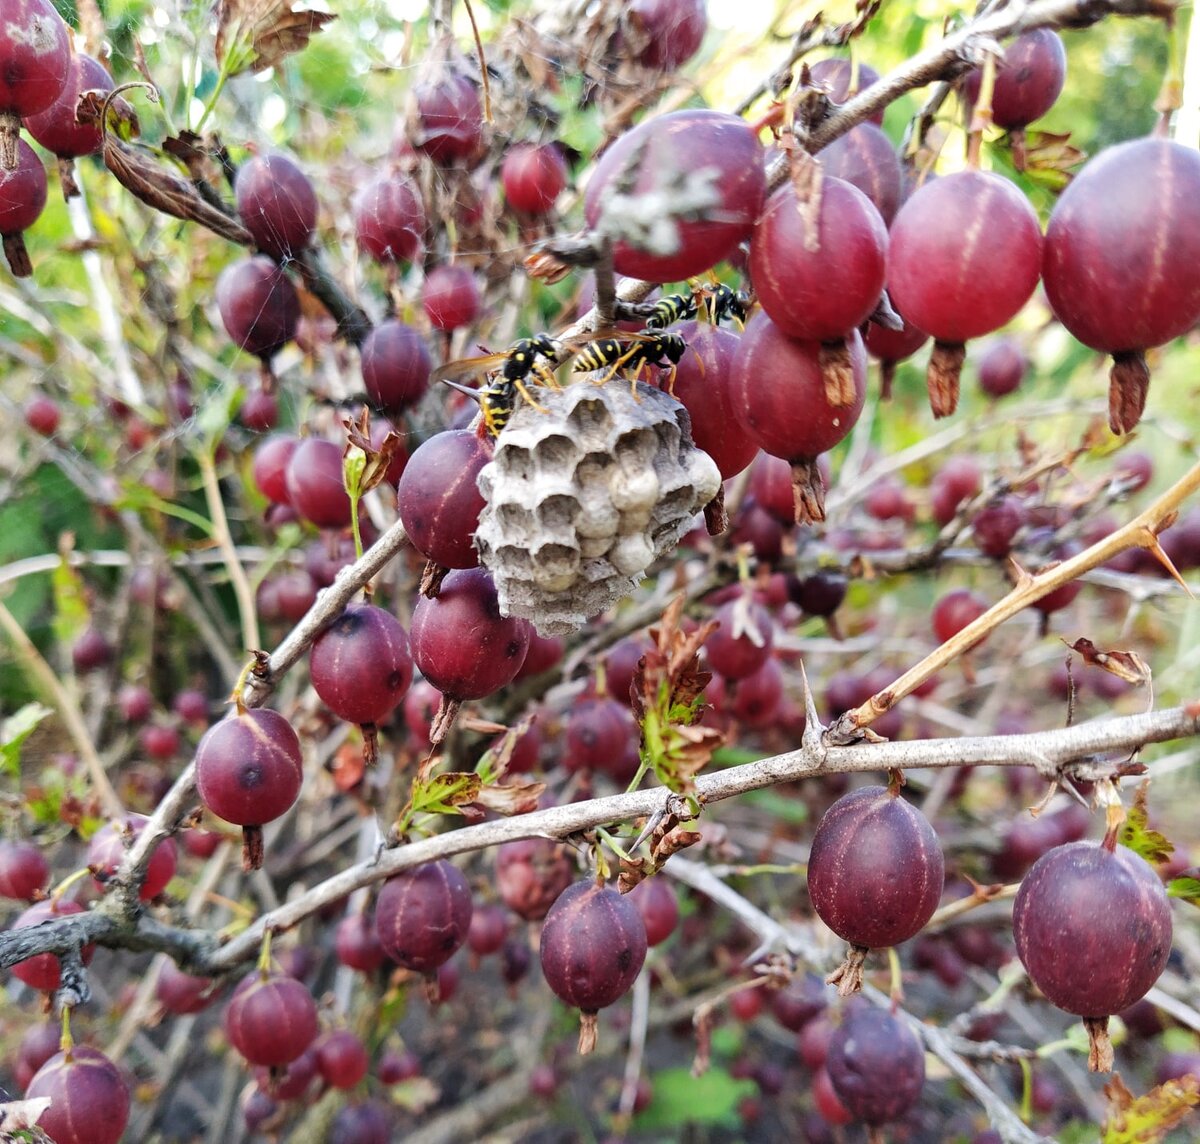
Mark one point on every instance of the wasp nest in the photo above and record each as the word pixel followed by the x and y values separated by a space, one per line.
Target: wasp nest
pixel 580 500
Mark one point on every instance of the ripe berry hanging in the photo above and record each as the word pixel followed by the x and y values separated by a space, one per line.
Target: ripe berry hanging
pixel 875 874
pixel 1122 260
pixel 35 62
pixel 1092 926
pixel 259 307
pixel 422 916
pixel 780 397
pixel 248 772
pixel 57 129
pixel 271 1018
pixel 592 948
pixel 964 256
pixel 277 204
pixel 677 247
pixel 88 1098
pixel 876 1065
pixel 818 259
pixel 22 197
pixel 361 669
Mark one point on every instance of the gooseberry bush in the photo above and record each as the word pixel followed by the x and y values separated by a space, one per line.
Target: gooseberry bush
pixel 569 570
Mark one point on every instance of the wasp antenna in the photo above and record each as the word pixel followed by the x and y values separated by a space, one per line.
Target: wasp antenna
pixel 473 394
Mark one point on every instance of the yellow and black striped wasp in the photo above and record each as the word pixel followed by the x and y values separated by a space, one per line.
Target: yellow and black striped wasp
pixel 721 302
pixel 533 358
pixel 632 351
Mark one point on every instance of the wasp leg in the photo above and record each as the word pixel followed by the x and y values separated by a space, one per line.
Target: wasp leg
pixel 545 376
pixel 617 365
pixel 529 397
pixel 671 377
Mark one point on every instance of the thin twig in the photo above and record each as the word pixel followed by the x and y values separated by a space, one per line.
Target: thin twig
pixel 237 574
pixel 67 709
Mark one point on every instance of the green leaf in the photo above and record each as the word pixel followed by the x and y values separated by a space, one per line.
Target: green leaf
pixel 217 412
pixel 141 499
pixel 14 731
pixel 681 1099
pixel 1146 1119
pixel 1185 889
pixel 1136 833
pixel 70 603
pixel 445 793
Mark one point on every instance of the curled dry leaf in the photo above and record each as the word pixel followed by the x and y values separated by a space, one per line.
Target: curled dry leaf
pixel 258 34
pixel 1148 1117
pixel 151 182
pixel 378 458
pixel 1126 665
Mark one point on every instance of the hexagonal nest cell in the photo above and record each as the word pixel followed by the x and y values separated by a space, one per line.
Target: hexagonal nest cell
pixel 581 499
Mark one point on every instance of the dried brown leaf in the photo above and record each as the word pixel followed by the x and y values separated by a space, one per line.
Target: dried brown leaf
pixel 258 34
pixel 510 798
pixel 1126 665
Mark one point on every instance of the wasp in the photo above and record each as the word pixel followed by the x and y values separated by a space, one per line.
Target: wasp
pixel 632 351
pixel 724 302
pixel 669 310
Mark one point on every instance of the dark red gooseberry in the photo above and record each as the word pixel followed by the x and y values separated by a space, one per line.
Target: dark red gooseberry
pixel 818 268
pixel 1029 79
pixel 827 1101
pixel 876 1065
pixel 1002 367
pixel 271 460
pixel 389 219
pixel 395 366
pixel 89 1099
pixel 43 971
pixel 449 117
pixel 37 1046
pixel 22 197
pixel 1092 927
pixel 865 157
pixel 544 653
pixel 598 732
pixel 357 943
pixel 249 768
pixel 488 929
pixel 277 204
pixel 422 915
pixel 592 948
pixel 955 610
pixel 191 706
pixel 703 385
pixel 106 852
pixel 533 176
pixel 271 1019
pixel 1122 259
pixel 360 665
pixel 451 297
pixel 258 304
pixel 341 1058
pixel 395 1067
pixel 159 741
pixel 460 641
pixel 367 1123
pixel 56 128
pixel 316 485
pixel 996 525
pixel 843 79
pixel 23 870
pixel 35 50
pixel 781 398
pixel 290 1082
pixel 964 256
pixel 875 870
pixel 804 998
pixel 42 415
pixel 181 993
pixel 667 33
pixel 438 499
pixel 530 875
pixel 657 903
pixel 757 697
pixel 661 147
pixel 742 643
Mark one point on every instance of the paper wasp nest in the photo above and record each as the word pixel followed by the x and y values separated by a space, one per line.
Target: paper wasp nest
pixel 582 499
